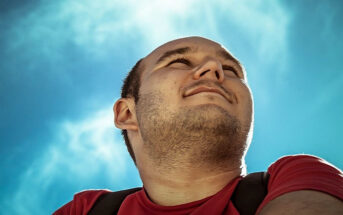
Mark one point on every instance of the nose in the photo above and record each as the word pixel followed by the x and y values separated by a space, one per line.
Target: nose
pixel 210 69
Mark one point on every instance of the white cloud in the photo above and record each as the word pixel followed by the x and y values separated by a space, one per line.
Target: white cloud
pixel 97 25
pixel 265 22
pixel 80 152
pixel 91 142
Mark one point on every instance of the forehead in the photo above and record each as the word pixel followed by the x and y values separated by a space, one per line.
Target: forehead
pixel 196 44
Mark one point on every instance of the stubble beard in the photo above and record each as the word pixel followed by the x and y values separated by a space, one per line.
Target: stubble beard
pixel 203 136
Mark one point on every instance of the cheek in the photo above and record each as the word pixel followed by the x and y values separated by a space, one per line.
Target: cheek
pixel 245 98
pixel 162 81
pixel 166 90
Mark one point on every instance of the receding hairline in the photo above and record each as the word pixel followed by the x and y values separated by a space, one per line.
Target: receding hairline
pixel 178 41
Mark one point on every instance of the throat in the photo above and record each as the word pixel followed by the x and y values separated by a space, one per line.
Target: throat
pixel 183 187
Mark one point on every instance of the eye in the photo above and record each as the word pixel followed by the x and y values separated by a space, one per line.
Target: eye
pixel 180 60
pixel 230 69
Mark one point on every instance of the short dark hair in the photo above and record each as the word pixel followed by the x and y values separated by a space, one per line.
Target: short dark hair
pixel 130 88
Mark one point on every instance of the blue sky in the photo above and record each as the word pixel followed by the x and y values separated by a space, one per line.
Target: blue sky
pixel 63 62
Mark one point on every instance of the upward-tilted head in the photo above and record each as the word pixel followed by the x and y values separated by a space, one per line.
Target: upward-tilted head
pixel 187 103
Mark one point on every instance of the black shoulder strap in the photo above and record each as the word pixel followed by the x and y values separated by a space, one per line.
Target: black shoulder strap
pixel 247 196
pixel 250 192
pixel 109 203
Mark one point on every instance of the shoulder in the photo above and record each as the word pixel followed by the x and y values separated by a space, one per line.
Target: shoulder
pixel 298 172
pixel 301 160
pixel 294 179
pixel 81 203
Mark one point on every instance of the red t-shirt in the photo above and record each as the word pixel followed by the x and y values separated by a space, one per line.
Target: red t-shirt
pixel 290 173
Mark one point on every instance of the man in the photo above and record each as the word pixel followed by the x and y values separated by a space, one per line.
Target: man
pixel 186 114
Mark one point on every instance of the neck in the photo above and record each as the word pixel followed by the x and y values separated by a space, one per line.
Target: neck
pixel 177 186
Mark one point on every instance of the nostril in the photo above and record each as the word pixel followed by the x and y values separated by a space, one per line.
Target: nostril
pixel 217 74
pixel 203 73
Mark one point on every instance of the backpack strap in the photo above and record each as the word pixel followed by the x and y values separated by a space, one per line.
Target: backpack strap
pixel 250 192
pixel 109 203
pixel 247 196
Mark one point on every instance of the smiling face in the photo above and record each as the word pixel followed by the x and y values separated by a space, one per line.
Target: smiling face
pixel 194 107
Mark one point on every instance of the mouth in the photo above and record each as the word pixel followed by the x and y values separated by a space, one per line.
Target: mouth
pixel 202 89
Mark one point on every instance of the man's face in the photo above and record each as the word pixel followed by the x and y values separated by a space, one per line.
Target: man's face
pixel 194 102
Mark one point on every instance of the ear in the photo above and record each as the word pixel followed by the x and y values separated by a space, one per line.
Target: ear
pixel 125 114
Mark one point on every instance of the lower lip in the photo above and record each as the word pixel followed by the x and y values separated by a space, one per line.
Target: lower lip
pixel 210 93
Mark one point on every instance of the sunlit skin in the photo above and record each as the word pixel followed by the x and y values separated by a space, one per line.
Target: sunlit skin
pixel 200 79
pixel 178 76
pixel 186 183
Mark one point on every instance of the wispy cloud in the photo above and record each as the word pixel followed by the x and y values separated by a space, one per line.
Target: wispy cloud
pixel 96 26
pixel 263 22
pixel 80 152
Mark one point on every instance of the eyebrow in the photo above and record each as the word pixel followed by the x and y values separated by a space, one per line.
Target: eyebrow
pixel 170 53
